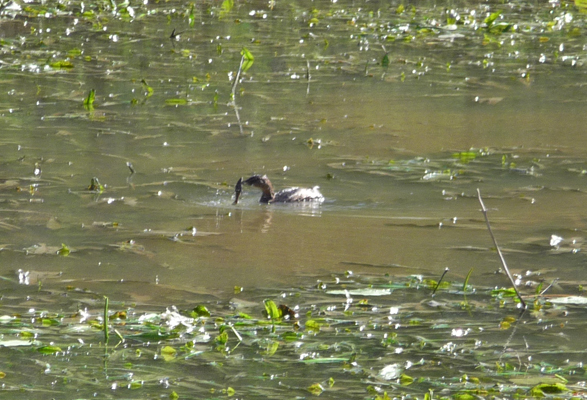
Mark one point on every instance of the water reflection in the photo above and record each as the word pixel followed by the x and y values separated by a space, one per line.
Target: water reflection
pixel 264 221
pixel 263 215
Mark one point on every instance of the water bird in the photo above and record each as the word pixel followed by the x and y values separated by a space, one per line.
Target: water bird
pixel 289 195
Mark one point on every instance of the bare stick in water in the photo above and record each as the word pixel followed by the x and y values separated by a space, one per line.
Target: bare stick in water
pixel 549 286
pixel 238 76
pixel 501 258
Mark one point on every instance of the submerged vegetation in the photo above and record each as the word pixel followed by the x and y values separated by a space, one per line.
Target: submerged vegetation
pixel 367 336
pixel 512 40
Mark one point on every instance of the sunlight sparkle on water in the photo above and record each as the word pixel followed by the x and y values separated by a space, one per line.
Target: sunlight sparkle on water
pixel 459 332
pixel 23 277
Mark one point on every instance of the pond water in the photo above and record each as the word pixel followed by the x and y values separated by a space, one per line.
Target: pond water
pixel 399 112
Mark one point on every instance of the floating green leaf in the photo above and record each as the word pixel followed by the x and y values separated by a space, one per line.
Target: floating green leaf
pixel 222 338
pixel 74 52
pixel 136 385
pixel 89 100
pixel 384 397
pixel 504 292
pixel 548 389
pixel 49 349
pixel 176 102
pixel 272 348
pixel 290 336
pixel 465 156
pixel 49 322
pixel 248 59
pixel 491 18
pixel 27 334
pixel 316 389
pixel 581 5
pixel 168 353
pixel 315 324
pixel 61 64
pixel 500 27
pixel 148 88
pixel 64 250
pixel 272 310
pixel 464 396
pixel 200 311
pixel 226 7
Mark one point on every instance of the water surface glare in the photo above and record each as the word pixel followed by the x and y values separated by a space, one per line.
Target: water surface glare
pixel 399 112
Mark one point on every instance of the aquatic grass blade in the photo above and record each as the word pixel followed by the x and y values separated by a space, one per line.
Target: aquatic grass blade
pixel 106 334
pixel 89 100
pixel 466 283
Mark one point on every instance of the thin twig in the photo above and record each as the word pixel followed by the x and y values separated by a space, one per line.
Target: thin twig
pixel 238 75
pixel 238 336
pixel 506 345
pixel 238 118
pixel 549 286
pixel 501 258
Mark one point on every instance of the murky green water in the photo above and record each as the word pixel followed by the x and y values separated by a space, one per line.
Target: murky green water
pixel 398 151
